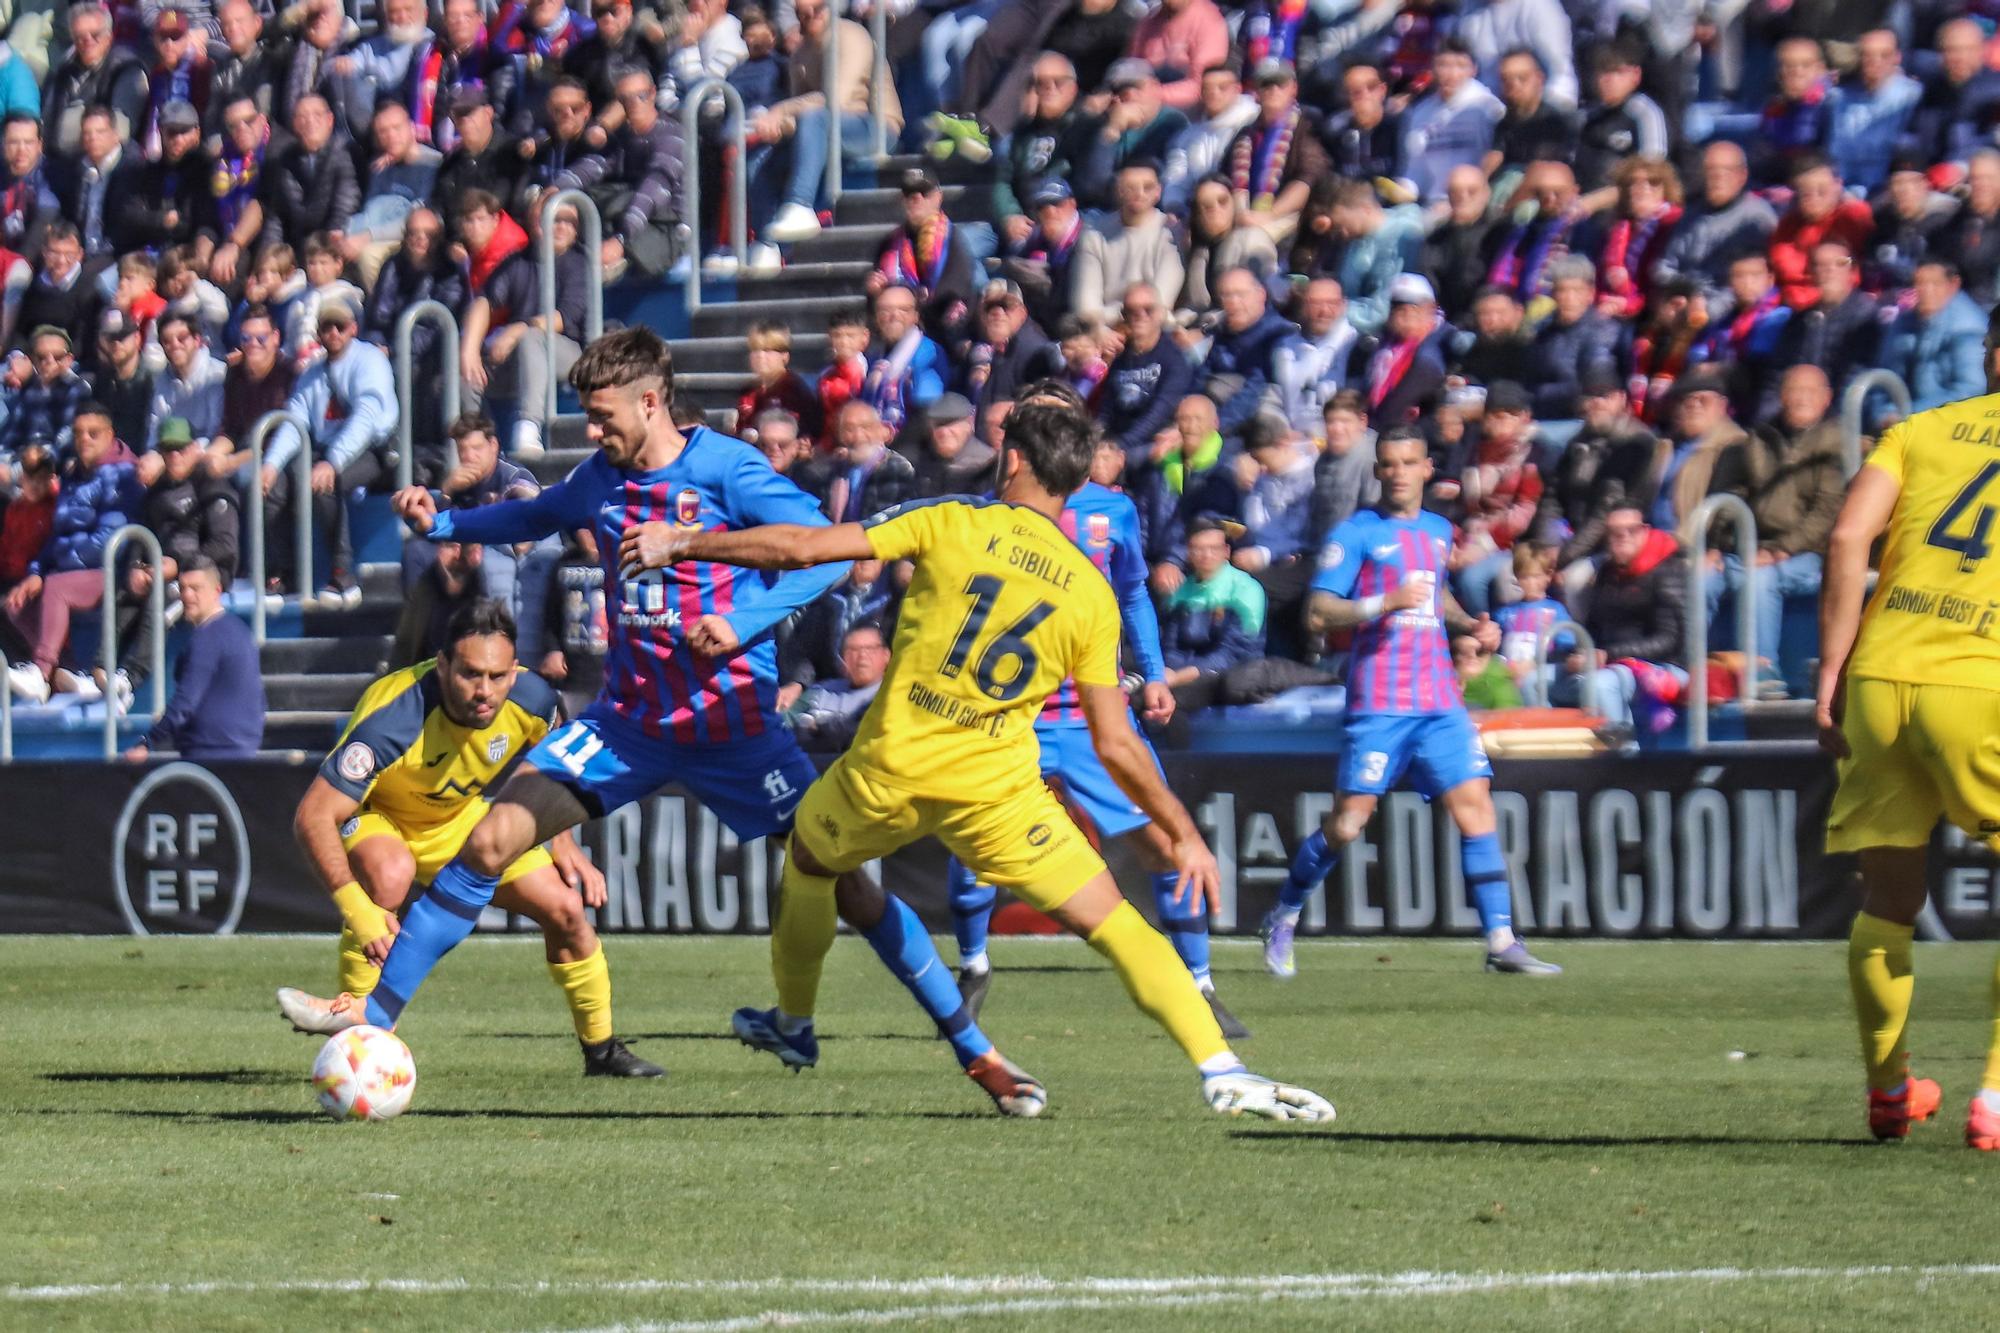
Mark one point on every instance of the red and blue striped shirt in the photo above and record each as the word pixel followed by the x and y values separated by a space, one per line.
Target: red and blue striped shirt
pixel 1104 524
pixel 1401 662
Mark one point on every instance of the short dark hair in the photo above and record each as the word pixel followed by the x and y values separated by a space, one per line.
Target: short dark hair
pixel 478 201
pixel 1202 525
pixel 1455 45
pixel 473 423
pixel 1400 435
pixel 1051 392
pixel 685 415
pixel 99 109
pixel 1808 162
pixel 93 408
pixel 256 310
pixel 61 229
pixel 1516 52
pixel 865 627
pixel 14 118
pixel 168 321
pixel 476 619
pixel 37 460
pixel 201 564
pixel 623 358
pixel 847 317
pixel 1951 271
pixel 1055 442
pixel 1347 400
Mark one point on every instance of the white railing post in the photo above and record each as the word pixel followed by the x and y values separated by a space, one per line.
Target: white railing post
pixel 156 612
pixel 406 428
pixel 739 187
pixel 593 239
pixel 1855 401
pixel 830 81
pixel 1744 527
pixel 302 465
pixel 1538 692
pixel 878 106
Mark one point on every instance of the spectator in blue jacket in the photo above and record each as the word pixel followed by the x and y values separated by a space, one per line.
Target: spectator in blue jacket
pixel 217 711
pixel 100 494
pixel 1215 619
pixel 348 400
pixel 1243 357
pixel 1937 345
pixel 1573 341
pixel 1870 112
pixel 1195 478
pixel 1146 380
pixel 1381 244
pixel 906 370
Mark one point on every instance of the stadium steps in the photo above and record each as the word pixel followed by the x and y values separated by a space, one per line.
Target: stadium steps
pixel 706 356
pixel 832 278
pixel 359 652
pixel 315 691
pixel 734 320
pixel 841 243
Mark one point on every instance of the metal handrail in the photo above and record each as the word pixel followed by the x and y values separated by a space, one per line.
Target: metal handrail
pixel 593 238
pixel 739 186
pixel 156 610
pixel 1538 692
pixel 302 463
pixel 406 379
pixel 1855 401
pixel 836 12
pixel 878 81
pixel 1745 524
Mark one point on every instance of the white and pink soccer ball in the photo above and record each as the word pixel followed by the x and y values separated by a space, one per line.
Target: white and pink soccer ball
pixel 364 1073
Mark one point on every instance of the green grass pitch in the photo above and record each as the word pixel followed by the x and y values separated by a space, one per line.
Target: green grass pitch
pixel 1510 1153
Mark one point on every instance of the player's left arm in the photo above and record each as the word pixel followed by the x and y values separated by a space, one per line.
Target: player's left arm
pixel 1871 499
pixel 1457 620
pixel 1132 766
pixel 1139 617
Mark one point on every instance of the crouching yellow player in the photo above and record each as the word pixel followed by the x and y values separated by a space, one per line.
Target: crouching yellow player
pixel 401 791
pixel 1002 607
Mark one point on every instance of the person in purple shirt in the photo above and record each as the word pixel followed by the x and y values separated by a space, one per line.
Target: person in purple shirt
pixel 1383 575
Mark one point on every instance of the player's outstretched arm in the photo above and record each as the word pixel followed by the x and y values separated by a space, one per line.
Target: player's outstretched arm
pixel 771 546
pixel 1137 773
pixel 555 509
pixel 317 828
pixel 1871 499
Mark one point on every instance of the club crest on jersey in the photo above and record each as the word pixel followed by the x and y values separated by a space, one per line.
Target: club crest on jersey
pixel 356 762
pixel 687 508
pixel 496 748
pixel 1098 529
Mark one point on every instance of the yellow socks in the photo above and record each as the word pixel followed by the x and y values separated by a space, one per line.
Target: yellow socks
pixel 357 975
pixel 1879 972
pixel 801 937
pixel 1991 1083
pixel 1158 982
pixel 586 984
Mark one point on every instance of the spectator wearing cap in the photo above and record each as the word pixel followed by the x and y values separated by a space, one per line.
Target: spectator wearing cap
pixel 1193 477
pixel 181 74
pixel 43 392
pixel 1613 460
pixel 1497 29
pixel 1145 381
pixel 218 706
pixel 1009 349
pixel 1499 492
pixel 1381 245
pixel 247 63
pixel 190 388
pixel 1450 126
pixel 1961 98
pixel 1619 121
pixel 1214 620
pixel 1726 221
pixel 1137 127
pixel 192 511
pixel 1938 344
pixel 1841 333
pixel 27 198
pixel 1870 110
pixel 1049 143
pixel 347 398
pixel 1179 40
pixel 1222 112
pixel 950 461
pixel 906 369
pixel 1243 353
pixel 401 177
pixel 460 57
pixel 786 211
pixel 122 380
pixel 95 71
pixel 1973 239
pixel 1275 160
pixel 1406 373
pixel 929 256
pixel 1574 340
pixel 1821 211
pixel 1324 359
pixel 313 187
pixel 482 157
pixel 1137 247
pixel 103 170
pixel 59 295
pixel 504 348
pixel 1366 140
pixel 636 181
pixel 1702 430
pixel 1911 219
pixel 257 382
pixel 775 386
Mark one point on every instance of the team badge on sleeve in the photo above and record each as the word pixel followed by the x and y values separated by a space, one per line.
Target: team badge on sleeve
pixel 687 508
pixel 1098 528
pixel 357 761
pixel 497 747
pixel 1331 555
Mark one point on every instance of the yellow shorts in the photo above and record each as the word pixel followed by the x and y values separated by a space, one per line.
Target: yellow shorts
pixel 1917 753
pixel 1024 841
pixel 434 847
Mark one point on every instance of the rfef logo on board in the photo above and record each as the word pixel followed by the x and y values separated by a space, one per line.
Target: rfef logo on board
pixel 180 857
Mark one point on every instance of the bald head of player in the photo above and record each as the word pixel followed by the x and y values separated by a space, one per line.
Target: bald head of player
pixel 1403 466
pixel 625 381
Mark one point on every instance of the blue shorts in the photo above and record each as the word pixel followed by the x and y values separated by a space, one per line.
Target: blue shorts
pixel 752 785
pixel 1068 754
pixel 1438 751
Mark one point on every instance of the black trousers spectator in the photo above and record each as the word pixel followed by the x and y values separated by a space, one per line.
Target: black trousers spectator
pixel 1285 586
pixel 329 516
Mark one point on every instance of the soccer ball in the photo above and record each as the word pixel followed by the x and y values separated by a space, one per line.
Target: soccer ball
pixel 364 1073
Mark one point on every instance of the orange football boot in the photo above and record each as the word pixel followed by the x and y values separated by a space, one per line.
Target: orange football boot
pixel 1890 1115
pixel 1982 1126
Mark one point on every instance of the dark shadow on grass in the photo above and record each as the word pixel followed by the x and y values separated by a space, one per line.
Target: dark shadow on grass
pixel 706 1036
pixel 239 1076
pixel 1453 1138
pixel 518 1113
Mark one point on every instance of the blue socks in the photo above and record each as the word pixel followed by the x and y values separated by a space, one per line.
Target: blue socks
pixel 434 926
pixel 971 910
pixel 1186 924
pixel 1314 862
pixel 900 940
pixel 1486 879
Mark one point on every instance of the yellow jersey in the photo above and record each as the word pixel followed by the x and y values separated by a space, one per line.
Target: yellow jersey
pixel 403 757
pixel 1002 608
pixel 1935 616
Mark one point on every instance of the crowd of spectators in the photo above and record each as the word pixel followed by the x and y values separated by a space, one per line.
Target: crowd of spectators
pixel 1609 259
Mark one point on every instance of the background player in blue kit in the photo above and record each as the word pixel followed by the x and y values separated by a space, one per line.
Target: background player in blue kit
pixel 690 679
pixel 1382 574
pixel 1104 524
